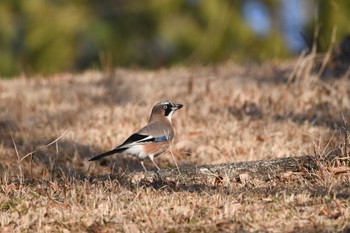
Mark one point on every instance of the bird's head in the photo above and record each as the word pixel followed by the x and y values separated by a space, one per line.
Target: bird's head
pixel 165 108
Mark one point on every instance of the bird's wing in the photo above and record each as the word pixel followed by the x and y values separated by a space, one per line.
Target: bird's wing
pixel 135 139
pixel 139 139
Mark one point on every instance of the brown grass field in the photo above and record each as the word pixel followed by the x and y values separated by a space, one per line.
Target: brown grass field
pixel 232 113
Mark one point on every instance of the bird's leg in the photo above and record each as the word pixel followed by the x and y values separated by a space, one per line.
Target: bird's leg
pixel 151 157
pixel 141 161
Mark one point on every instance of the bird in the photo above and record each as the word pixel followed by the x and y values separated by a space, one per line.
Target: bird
pixel 151 140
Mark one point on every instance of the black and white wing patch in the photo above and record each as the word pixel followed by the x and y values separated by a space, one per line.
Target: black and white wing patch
pixel 142 139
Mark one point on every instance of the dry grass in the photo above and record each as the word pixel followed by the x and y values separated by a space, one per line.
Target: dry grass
pixel 232 113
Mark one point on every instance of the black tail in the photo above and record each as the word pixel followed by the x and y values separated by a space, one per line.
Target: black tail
pixel 116 150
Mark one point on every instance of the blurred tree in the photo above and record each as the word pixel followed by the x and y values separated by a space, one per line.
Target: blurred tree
pixel 10 38
pixel 329 16
pixel 47 36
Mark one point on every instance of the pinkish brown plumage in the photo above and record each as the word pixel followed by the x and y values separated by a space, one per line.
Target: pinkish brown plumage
pixel 151 140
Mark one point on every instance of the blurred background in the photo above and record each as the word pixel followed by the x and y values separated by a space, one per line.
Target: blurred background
pixel 49 36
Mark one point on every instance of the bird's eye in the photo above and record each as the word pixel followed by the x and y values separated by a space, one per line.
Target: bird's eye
pixel 165 106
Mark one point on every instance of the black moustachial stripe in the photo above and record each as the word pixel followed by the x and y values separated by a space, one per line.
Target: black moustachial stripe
pixel 168 111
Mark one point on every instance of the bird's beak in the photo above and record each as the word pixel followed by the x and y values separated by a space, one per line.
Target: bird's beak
pixel 176 106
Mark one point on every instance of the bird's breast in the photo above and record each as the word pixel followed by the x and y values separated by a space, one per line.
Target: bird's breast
pixel 156 148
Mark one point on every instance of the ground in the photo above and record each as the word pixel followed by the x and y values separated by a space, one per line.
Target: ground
pixel 231 113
